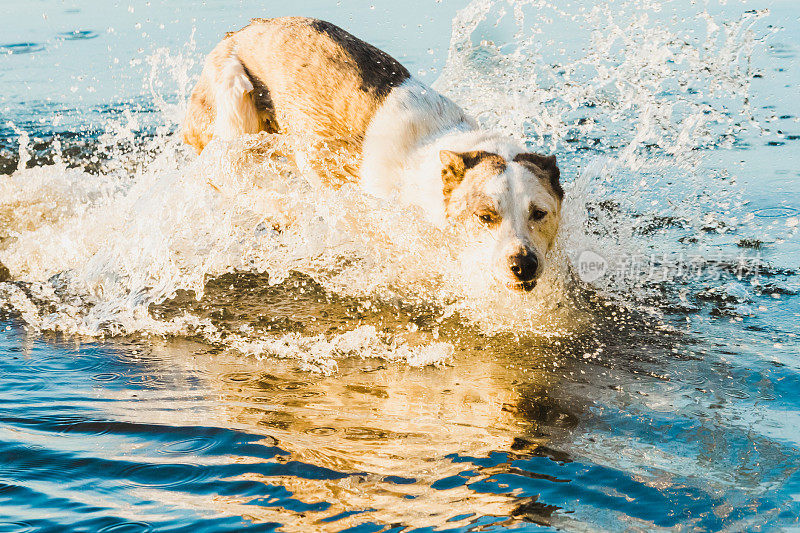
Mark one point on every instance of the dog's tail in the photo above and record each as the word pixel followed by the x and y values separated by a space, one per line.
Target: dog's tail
pixel 221 105
pixel 236 111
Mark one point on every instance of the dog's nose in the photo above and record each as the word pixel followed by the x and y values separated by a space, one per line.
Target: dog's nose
pixel 524 265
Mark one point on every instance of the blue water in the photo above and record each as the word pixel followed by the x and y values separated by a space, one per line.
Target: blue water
pixel 668 402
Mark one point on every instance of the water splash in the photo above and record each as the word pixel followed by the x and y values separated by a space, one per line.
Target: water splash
pixel 630 110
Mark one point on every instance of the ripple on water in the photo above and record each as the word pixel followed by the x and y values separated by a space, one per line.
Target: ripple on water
pixel 15 527
pixel 127 527
pixel 364 433
pixel 292 385
pixel 77 35
pixel 298 389
pixel 93 428
pixel 107 376
pixel 49 363
pixel 20 48
pixel 162 476
pixel 239 377
pixel 256 381
pixel 324 431
pixel 193 445
pixel 776 212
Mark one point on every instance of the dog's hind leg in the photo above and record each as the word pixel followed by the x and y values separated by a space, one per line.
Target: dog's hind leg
pixel 198 125
pixel 236 111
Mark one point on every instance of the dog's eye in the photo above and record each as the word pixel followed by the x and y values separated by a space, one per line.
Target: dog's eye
pixel 538 214
pixel 487 218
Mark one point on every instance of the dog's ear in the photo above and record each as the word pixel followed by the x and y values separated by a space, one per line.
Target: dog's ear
pixel 456 164
pixel 453 170
pixel 452 160
pixel 546 163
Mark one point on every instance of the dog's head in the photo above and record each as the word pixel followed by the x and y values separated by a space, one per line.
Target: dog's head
pixel 518 201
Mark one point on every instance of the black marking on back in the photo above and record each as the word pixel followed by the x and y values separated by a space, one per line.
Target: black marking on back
pixel 379 71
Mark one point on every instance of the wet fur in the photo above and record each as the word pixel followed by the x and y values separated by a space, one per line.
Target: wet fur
pixel 360 115
pixel 326 91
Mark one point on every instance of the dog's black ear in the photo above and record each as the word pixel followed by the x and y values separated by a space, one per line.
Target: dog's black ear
pixel 547 164
pixel 453 170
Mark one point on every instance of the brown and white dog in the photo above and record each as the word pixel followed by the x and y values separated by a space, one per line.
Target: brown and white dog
pixel 402 140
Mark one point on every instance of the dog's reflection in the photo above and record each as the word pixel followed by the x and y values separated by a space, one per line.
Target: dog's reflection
pixel 411 444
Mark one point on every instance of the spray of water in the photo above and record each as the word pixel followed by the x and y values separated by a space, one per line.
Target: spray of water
pixel 629 110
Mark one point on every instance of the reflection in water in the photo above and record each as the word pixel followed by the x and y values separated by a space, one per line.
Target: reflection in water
pixel 385 439
pixel 513 427
pixel 378 441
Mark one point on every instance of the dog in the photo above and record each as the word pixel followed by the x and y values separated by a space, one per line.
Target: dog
pixel 399 138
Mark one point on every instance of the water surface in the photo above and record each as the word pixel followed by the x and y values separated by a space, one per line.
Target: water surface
pixel 169 361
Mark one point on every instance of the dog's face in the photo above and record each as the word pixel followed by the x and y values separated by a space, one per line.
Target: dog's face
pixel 518 202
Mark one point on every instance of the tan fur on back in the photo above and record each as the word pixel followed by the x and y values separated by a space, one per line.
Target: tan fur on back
pixel 312 80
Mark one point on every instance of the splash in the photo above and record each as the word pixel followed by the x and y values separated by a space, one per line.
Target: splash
pixel 631 103
pixel 629 112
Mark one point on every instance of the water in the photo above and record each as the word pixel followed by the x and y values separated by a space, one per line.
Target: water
pixel 171 361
